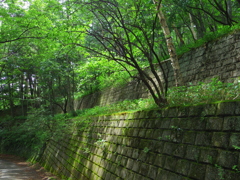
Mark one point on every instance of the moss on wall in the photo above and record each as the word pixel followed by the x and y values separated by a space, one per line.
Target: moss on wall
pixel 174 143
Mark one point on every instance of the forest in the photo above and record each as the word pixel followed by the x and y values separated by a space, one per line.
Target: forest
pixel 54 51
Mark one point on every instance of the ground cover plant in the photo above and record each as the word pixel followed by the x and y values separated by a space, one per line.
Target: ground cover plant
pixel 202 93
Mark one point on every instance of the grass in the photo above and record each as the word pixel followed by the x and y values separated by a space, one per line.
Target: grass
pixel 202 93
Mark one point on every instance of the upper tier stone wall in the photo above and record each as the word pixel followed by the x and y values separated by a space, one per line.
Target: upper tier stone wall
pixel 220 58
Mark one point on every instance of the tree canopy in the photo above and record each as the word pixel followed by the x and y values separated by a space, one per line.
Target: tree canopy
pixel 51 51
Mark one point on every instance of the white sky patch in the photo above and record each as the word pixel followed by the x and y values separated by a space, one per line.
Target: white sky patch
pixel 21 3
pixel 4 5
pixel 24 4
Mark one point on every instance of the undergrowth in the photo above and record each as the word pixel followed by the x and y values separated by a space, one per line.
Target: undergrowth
pixel 31 134
pixel 202 93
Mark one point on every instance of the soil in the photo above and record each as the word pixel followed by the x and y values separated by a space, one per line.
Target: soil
pixel 31 171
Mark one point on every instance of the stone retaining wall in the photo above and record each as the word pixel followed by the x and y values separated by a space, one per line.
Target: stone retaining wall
pixel 171 144
pixel 220 58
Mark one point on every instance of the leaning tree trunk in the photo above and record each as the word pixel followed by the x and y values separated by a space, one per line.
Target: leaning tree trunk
pixel 194 33
pixel 170 45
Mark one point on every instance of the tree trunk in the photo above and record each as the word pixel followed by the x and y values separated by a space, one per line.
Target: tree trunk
pixel 178 34
pixel 194 33
pixel 170 45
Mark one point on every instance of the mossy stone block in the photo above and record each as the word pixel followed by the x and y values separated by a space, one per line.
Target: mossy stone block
pixel 192 153
pixel 152 172
pixel 221 139
pixel 130 163
pixel 212 172
pixel 166 123
pixel 183 111
pixel 208 155
pixel 237 108
pixel 169 148
pixel 180 150
pixel 197 171
pixel 226 108
pixel 214 123
pixel 182 167
pixel 158 146
pixel 231 123
pixel 234 140
pixel 144 169
pixel 198 123
pixel 203 138
pixel 162 174
pixel 170 163
pixel 188 137
pixel 196 110
pixel 160 160
pixel 227 159
pixel 136 165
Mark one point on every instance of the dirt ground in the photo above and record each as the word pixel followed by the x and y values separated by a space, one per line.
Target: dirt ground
pixel 33 172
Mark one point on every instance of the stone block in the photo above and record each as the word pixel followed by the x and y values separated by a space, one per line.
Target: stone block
pixel 189 137
pixel 237 107
pixel 180 150
pixel 152 172
pixel 149 133
pixel 226 108
pixel 166 123
pixel 227 159
pixel 129 163
pixel 231 123
pixel 221 139
pixel 183 111
pixel 169 148
pixel 234 140
pixel 157 133
pixel 198 123
pixel 197 171
pixel 196 110
pixel 143 156
pixel 136 165
pixel 212 173
pixel 135 132
pixel 182 167
pixel 151 157
pixel 162 174
pixel 166 135
pixel 192 153
pixel 144 168
pixel 142 133
pixel 214 123
pixel 160 160
pixel 208 155
pixel 136 153
pixel 170 163
pixel 158 146
pixel 203 138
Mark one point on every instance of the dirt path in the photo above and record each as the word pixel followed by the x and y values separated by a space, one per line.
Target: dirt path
pixel 15 168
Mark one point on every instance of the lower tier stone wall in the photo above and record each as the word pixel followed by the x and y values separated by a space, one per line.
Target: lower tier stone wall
pixel 198 143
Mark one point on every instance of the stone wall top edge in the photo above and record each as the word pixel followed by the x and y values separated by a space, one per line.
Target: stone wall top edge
pixel 204 110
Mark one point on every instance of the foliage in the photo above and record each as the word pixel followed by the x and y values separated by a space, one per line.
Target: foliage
pixel 211 36
pixel 98 74
pixel 26 138
pixel 46 58
pixel 202 93
pixel 213 91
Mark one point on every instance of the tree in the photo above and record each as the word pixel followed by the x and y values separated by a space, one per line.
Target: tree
pixel 171 48
pixel 125 33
